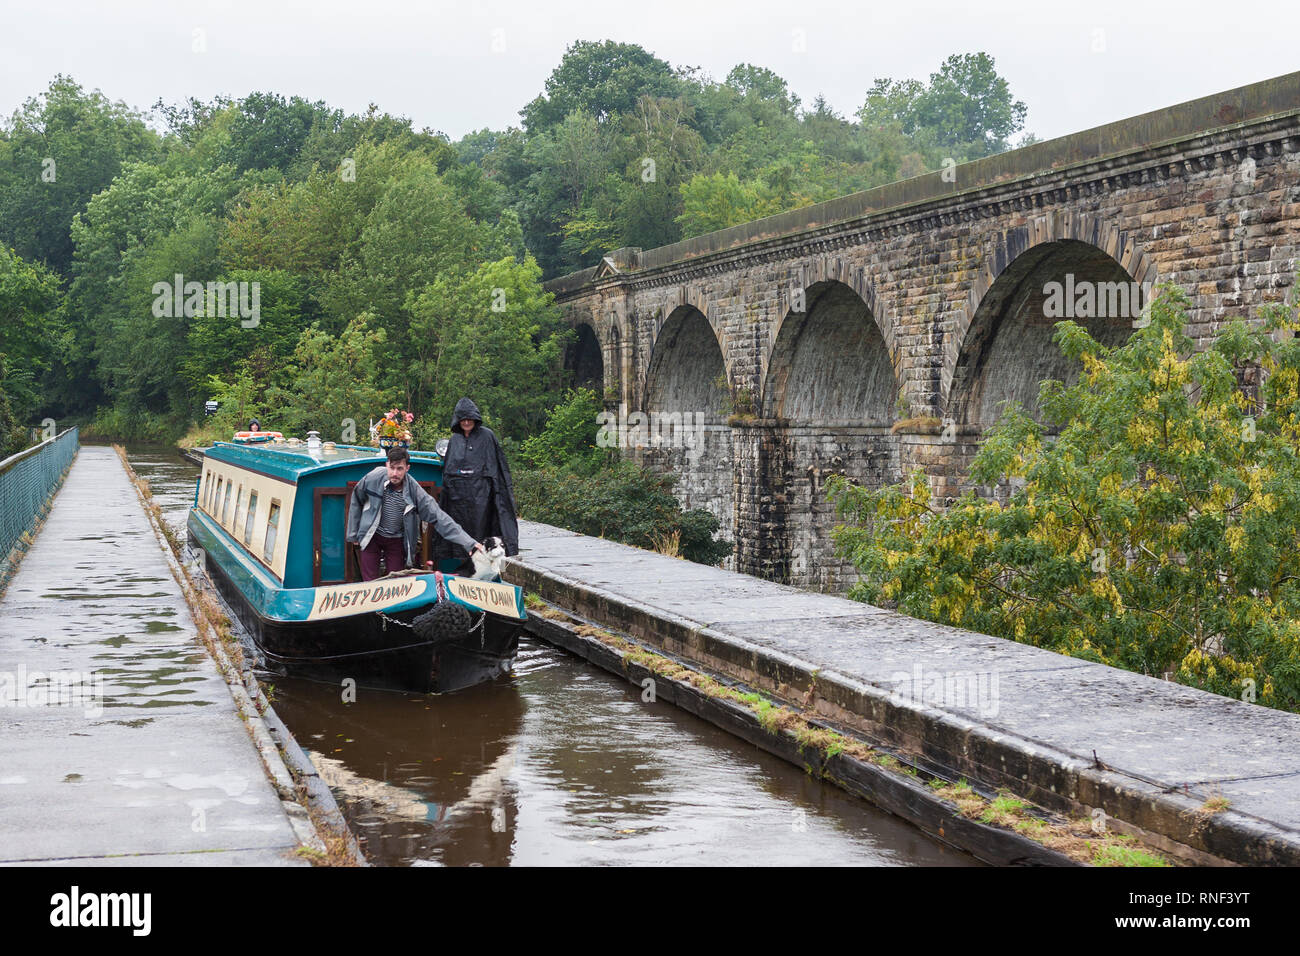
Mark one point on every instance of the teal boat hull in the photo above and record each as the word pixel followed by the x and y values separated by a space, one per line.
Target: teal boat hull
pixel 376 649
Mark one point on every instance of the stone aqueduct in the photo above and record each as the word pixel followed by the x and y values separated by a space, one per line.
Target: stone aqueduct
pixel 829 338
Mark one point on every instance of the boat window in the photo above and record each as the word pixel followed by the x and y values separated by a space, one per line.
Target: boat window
pixel 272 523
pixel 216 498
pixel 239 510
pixel 225 504
pixel 248 524
pixel 207 492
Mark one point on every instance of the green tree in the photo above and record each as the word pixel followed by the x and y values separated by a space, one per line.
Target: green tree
pixel 964 113
pixel 892 103
pixel 720 200
pixel 270 132
pixel 594 229
pixel 494 335
pixel 33 334
pixel 191 120
pixel 967 108
pixel 57 151
pixel 570 432
pixel 331 378
pixel 969 103
pixel 314 227
pixel 763 85
pixel 1157 531
pixel 216 343
pixel 326 147
pixel 13 437
pixel 417 231
pixel 621 501
pixel 240 397
pixel 112 236
pixel 661 151
pixel 484 198
pixel 142 347
pixel 570 163
pixel 602 79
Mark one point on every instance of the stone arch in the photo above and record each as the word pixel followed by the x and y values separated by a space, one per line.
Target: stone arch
pixel 828 402
pixel 615 363
pixel 685 425
pixel 584 360
pixel 818 270
pixel 1048 241
pixel 831 362
pixel 687 370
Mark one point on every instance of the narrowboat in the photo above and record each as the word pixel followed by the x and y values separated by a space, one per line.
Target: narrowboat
pixel 270 520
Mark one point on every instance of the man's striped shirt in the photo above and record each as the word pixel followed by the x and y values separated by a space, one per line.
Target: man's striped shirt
pixel 390 518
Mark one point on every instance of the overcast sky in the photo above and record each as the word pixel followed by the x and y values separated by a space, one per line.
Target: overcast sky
pixel 470 64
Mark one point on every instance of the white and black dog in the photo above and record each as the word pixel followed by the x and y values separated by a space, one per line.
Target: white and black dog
pixel 488 562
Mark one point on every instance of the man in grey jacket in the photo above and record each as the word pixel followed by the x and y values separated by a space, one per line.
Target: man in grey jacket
pixel 385 514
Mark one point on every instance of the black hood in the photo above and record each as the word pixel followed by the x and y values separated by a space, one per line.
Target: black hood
pixel 465 408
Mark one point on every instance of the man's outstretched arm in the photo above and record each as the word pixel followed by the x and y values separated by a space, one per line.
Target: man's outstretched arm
pixel 442 522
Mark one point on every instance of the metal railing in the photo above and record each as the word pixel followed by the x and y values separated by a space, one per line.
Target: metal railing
pixel 27 481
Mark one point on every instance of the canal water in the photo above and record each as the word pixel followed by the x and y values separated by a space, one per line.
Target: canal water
pixel 560 763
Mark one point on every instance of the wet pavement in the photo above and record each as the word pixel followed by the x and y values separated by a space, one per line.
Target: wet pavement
pixel 134 752
pixel 561 764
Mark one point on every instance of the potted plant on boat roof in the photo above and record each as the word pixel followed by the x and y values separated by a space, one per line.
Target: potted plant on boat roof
pixel 393 431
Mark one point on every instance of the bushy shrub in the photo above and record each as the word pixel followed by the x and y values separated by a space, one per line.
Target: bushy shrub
pixel 698 528
pixel 13 438
pixel 570 431
pixel 1159 531
pixel 618 500
pixel 132 424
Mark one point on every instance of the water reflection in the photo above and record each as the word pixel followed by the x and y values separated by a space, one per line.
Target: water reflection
pixel 419 778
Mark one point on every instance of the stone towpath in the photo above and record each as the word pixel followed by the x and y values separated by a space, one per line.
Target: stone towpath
pixel 151 766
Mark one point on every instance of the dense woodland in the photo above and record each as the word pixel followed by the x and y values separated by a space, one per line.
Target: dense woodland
pixel 397 267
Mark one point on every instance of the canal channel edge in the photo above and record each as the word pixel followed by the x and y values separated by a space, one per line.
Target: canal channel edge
pixel 890 791
pixel 779 676
pixel 307 800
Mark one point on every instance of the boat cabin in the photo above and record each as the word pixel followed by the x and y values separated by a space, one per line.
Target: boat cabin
pixel 285 505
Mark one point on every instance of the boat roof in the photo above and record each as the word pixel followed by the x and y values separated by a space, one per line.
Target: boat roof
pixel 292 461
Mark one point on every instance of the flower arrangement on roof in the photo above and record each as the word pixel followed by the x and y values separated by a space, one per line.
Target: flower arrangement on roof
pixel 393 428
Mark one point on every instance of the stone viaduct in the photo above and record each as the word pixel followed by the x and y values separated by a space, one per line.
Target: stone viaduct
pixel 879 333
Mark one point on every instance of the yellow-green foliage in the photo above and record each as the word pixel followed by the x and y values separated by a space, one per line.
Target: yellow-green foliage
pixel 1156 531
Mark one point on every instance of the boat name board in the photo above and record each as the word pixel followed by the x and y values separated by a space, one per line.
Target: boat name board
pixel 487 596
pixel 344 599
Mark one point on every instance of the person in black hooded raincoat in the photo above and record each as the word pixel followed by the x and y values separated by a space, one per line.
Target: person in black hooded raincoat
pixel 476 488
